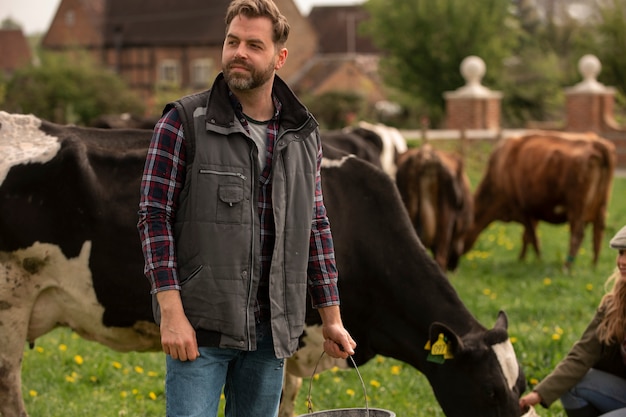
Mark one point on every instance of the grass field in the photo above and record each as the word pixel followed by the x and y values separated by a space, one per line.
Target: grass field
pixel 547 309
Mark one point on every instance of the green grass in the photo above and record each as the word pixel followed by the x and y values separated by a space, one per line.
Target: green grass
pixel 547 308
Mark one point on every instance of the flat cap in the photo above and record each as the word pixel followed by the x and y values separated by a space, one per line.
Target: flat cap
pixel 619 240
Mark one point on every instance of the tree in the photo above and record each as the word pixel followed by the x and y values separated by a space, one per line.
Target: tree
pixel 425 42
pixel 610 43
pixel 68 89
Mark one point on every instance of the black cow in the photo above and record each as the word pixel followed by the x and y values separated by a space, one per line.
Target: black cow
pixel 70 256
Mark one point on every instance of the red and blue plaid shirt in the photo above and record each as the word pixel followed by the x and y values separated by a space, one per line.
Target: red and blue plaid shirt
pixel 162 182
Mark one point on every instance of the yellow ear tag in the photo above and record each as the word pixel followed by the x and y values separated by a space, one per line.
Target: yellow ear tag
pixel 440 347
pixel 448 354
pixel 427 347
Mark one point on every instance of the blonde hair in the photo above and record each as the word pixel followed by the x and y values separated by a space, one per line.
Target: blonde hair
pixel 612 327
pixel 260 8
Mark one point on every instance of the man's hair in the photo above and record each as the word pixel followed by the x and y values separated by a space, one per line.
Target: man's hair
pixel 260 8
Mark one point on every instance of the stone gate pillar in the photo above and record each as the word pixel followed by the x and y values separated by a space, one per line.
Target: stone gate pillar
pixel 473 106
pixel 589 103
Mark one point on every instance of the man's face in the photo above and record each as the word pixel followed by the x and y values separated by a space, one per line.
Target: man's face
pixel 249 56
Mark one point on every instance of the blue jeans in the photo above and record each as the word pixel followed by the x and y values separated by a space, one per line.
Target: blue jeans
pixel 601 390
pixel 252 381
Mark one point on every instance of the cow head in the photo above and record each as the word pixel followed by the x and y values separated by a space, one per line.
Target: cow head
pixel 478 375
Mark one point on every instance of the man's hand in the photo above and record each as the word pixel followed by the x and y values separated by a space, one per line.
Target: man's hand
pixel 178 338
pixel 337 341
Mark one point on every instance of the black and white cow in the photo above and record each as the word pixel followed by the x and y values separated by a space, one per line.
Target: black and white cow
pixel 70 256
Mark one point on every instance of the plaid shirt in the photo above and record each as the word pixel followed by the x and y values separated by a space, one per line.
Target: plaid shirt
pixel 162 182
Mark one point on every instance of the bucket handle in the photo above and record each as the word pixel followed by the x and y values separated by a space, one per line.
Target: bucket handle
pixel 309 402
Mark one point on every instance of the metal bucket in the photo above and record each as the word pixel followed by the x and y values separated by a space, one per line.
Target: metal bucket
pixel 346 412
pixel 353 412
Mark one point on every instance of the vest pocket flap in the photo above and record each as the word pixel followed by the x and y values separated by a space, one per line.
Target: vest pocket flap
pixel 230 194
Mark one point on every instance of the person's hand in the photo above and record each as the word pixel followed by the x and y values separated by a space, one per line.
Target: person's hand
pixel 178 337
pixel 337 341
pixel 529 400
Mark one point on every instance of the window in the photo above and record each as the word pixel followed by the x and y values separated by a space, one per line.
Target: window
pixel 70 18
pixel 169 73
pixel 201 71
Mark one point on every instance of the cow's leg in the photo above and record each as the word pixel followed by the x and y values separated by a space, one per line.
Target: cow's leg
pixel 577 233
pixel 11 401
pixel 598 233
pixel 291 387
pixel 13 329
pixel 530 237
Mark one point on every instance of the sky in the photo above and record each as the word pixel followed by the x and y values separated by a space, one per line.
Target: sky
pixel 35 15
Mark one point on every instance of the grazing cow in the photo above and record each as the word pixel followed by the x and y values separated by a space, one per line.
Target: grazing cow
pixel 393 144
pixel 375 143
pixel 70 256
pixel 436 192
pixel 547 176
pixel 353 143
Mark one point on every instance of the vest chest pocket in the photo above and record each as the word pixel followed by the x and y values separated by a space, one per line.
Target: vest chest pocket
pixel 229 207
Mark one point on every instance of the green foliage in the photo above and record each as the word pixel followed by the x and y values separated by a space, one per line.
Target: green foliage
pixel 610 40
pixel 335 109
pixel 67 89
pixel 548 309
pixel 425 42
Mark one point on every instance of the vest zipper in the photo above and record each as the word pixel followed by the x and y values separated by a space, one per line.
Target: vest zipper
pixel 222 173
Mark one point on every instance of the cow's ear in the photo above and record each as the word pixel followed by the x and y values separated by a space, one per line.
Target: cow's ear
pixel 502 322
pixel 454 342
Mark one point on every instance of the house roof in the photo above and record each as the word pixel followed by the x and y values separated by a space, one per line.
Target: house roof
pixel 338 29
pixel 76 23
pixel 14 50
pixel 163 22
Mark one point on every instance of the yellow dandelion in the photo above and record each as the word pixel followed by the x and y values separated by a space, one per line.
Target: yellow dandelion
pixel 62 347
pixel 350 392
pixel 316 377
pixel 153 374
pixel 70 378
pixel 152 396
pixel 589 287
pixel 78 359
pixel 123 394
pixel 375 383
pixel 486 291
pixel 556 336
pixel 336 380
pixel 558 330
pixel 380 359
pixel 39 349
pixel 32 393
pixel 135 391
pixel 513 339
pixel 395 370
pixel 139 369
pixel 75 336
pixel 334 369
pixel 547 281
pixel 534 381
pixel 117 365
pixel 93 378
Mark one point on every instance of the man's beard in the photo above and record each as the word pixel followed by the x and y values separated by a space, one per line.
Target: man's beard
pixel 242 81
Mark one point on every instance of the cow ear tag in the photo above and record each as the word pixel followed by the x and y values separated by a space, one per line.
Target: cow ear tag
pixel 438 351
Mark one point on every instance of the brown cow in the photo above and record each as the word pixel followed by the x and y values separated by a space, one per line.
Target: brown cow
pixel 436 192
pixel 555 177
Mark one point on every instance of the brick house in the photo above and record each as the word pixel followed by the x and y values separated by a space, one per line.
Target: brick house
pixel 14 50
pixel 160 44
pixel 345 60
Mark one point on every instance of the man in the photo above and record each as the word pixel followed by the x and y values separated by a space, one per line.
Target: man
pixel 234 228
